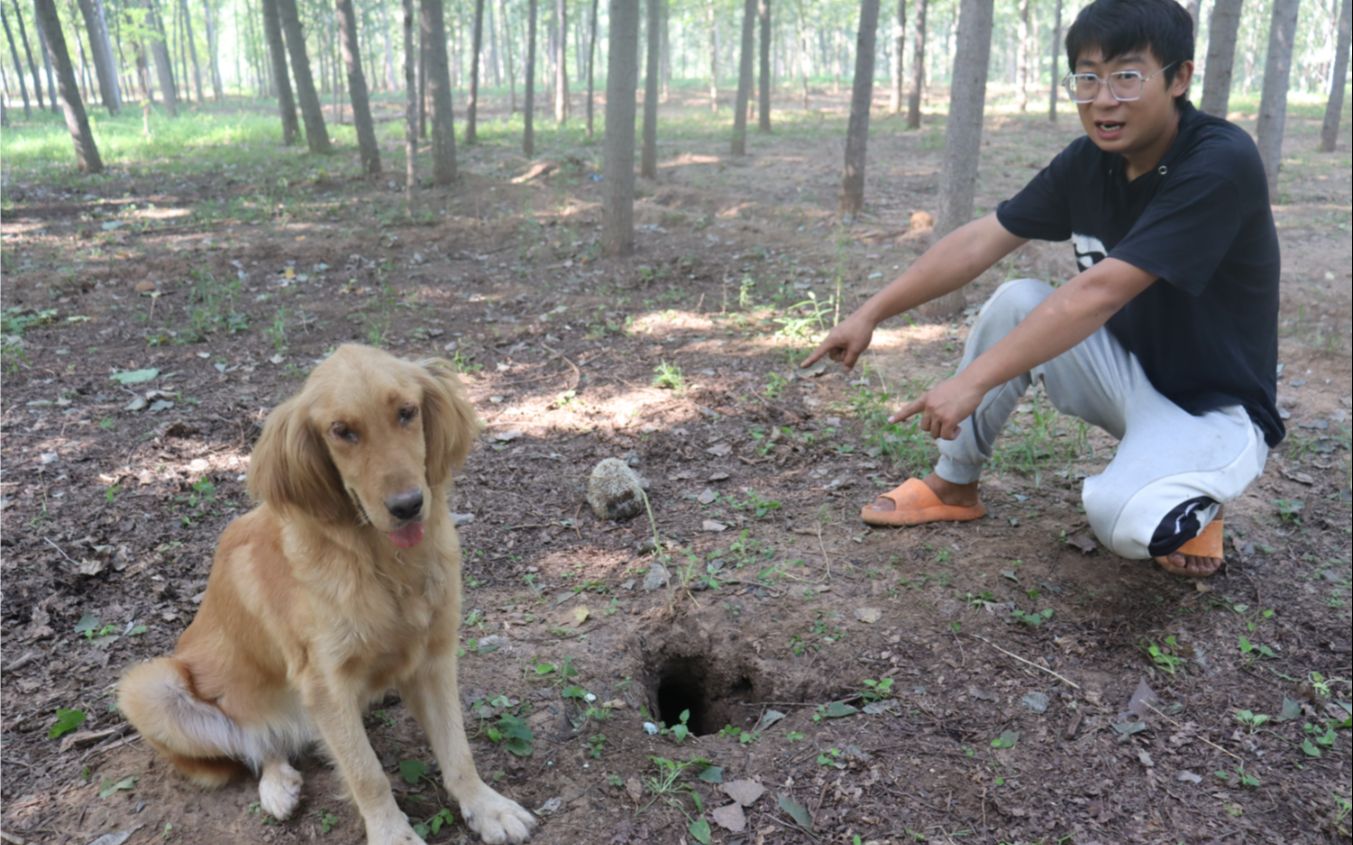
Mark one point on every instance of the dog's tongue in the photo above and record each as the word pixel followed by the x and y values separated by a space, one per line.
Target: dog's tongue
pixel 408 536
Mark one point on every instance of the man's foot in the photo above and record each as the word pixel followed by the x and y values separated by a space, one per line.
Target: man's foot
pixel 1200 557
pixel 919 501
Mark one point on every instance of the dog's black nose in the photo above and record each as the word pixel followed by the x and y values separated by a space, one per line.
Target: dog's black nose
pixel 406 505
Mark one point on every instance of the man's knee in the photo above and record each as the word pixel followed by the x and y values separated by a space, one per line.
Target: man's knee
pixel 1013 300
pixel 1145 522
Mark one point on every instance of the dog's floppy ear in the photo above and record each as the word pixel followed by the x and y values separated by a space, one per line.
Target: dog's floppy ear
pixel 291 469
pixel 449 422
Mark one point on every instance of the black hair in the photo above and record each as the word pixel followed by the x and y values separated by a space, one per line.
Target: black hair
pixel 1119 26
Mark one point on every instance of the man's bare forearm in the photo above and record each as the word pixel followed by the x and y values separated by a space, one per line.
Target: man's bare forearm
pixel 954 261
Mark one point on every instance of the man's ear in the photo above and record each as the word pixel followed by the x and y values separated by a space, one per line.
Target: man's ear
pixel 290 467
pixel 1182 78
pixel 449 422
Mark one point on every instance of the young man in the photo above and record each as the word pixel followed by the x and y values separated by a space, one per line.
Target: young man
pixel 1167 338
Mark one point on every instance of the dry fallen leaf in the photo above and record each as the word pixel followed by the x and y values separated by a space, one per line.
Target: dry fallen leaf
pixel 745 792
pixel 730 817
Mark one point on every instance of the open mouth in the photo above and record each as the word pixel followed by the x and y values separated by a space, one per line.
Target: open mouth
pixel 407 535
pixel 1108 127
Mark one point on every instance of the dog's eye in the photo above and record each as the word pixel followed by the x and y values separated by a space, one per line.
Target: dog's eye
pixel 342 432
pixel 407 414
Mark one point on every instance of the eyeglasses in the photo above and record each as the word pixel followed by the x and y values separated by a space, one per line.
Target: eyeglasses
pixel 1124 85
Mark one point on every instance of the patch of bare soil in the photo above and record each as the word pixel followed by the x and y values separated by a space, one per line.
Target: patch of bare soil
pixel 1003 681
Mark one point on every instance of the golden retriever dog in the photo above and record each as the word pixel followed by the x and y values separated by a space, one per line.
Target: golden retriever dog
pixel 343 582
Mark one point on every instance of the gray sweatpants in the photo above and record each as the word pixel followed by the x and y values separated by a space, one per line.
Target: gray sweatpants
pixel 1172 471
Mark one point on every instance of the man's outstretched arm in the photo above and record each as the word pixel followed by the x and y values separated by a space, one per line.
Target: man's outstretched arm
pixel 1069 315
pixel 954 261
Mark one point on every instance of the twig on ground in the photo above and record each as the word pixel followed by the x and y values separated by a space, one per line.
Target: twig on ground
pixel 1231 754
pixel 577 373
pixel 1064 680
pixel 823 546
pixel 60 551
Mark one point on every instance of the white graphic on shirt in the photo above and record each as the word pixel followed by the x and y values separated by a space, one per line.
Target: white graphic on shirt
pixel 1089 250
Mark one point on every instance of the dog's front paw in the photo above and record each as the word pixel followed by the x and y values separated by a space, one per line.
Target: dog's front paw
pixel 391 830
pixel 496 819
pixel 279 789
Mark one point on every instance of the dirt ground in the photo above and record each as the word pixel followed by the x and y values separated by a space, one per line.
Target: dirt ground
pixel 1002 681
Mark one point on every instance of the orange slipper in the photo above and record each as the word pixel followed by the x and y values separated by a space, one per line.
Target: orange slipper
pixel 1208 544
pixel 914 503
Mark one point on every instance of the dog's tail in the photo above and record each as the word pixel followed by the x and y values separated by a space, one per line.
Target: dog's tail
pixel 159 698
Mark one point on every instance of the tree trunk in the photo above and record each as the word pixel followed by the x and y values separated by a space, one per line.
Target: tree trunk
pixel 861 100
pixel 899 48
pixel 357 92
pixel 410 106
pixel 1055 63
pixel 746 57
pixel 1329 130
pixel 286 103
pixel 192 48
pixel 804 52
pixel 18 66
pixel 591 60
pixel 917 69
pixel 561 61
pixel 312 113
pixel 1022 57
pixel 493 61
pixel 77 122
pixel 28 51
pixel 963 131
pixel 1273 102
pixel 472 102
pixel 433 40
pixel 763 79
pixel 104 66
pixel 164 67
pixel 622 76
pixel 507 56
pixel 713 21
pixel 213 49
pixel 178 51
pixel 648 160
pixel 1221 53
pixel 528 137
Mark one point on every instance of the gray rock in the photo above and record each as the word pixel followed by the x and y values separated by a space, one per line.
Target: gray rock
pixel 1036 702
pixel 657 577
pixel 615 491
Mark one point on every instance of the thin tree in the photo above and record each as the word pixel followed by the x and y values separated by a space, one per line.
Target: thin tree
pixel 357 91
pixel 102 51
pixel 648 159
pixel 561 61
pixel 312 113
pixel 591 60
pixel 801 25
pixel 472 102
pixel 159 52
pixel 1329 130
pixel 410 106
pixel 528 136
pixel 277 51
pixel 861 98
pixel 77 122
pixel 963 131
pixel 1221 53
pixel 746 57
pixel 213 50
pixel 18 67
pixel 712 19
pixel 622 76
pixel 917 69
pixel 1055 63
pixel 432 36
pixel 763 76
pixel 899 45
pixel 1022 51
pixel 47 69
pixel 507 57
pixel 28 51
pixel 192 47
pixel 1273 100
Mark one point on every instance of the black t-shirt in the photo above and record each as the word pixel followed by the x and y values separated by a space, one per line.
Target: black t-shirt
pixel 1206 332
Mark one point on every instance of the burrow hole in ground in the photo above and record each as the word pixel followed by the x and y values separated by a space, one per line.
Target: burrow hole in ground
pixel 717 683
